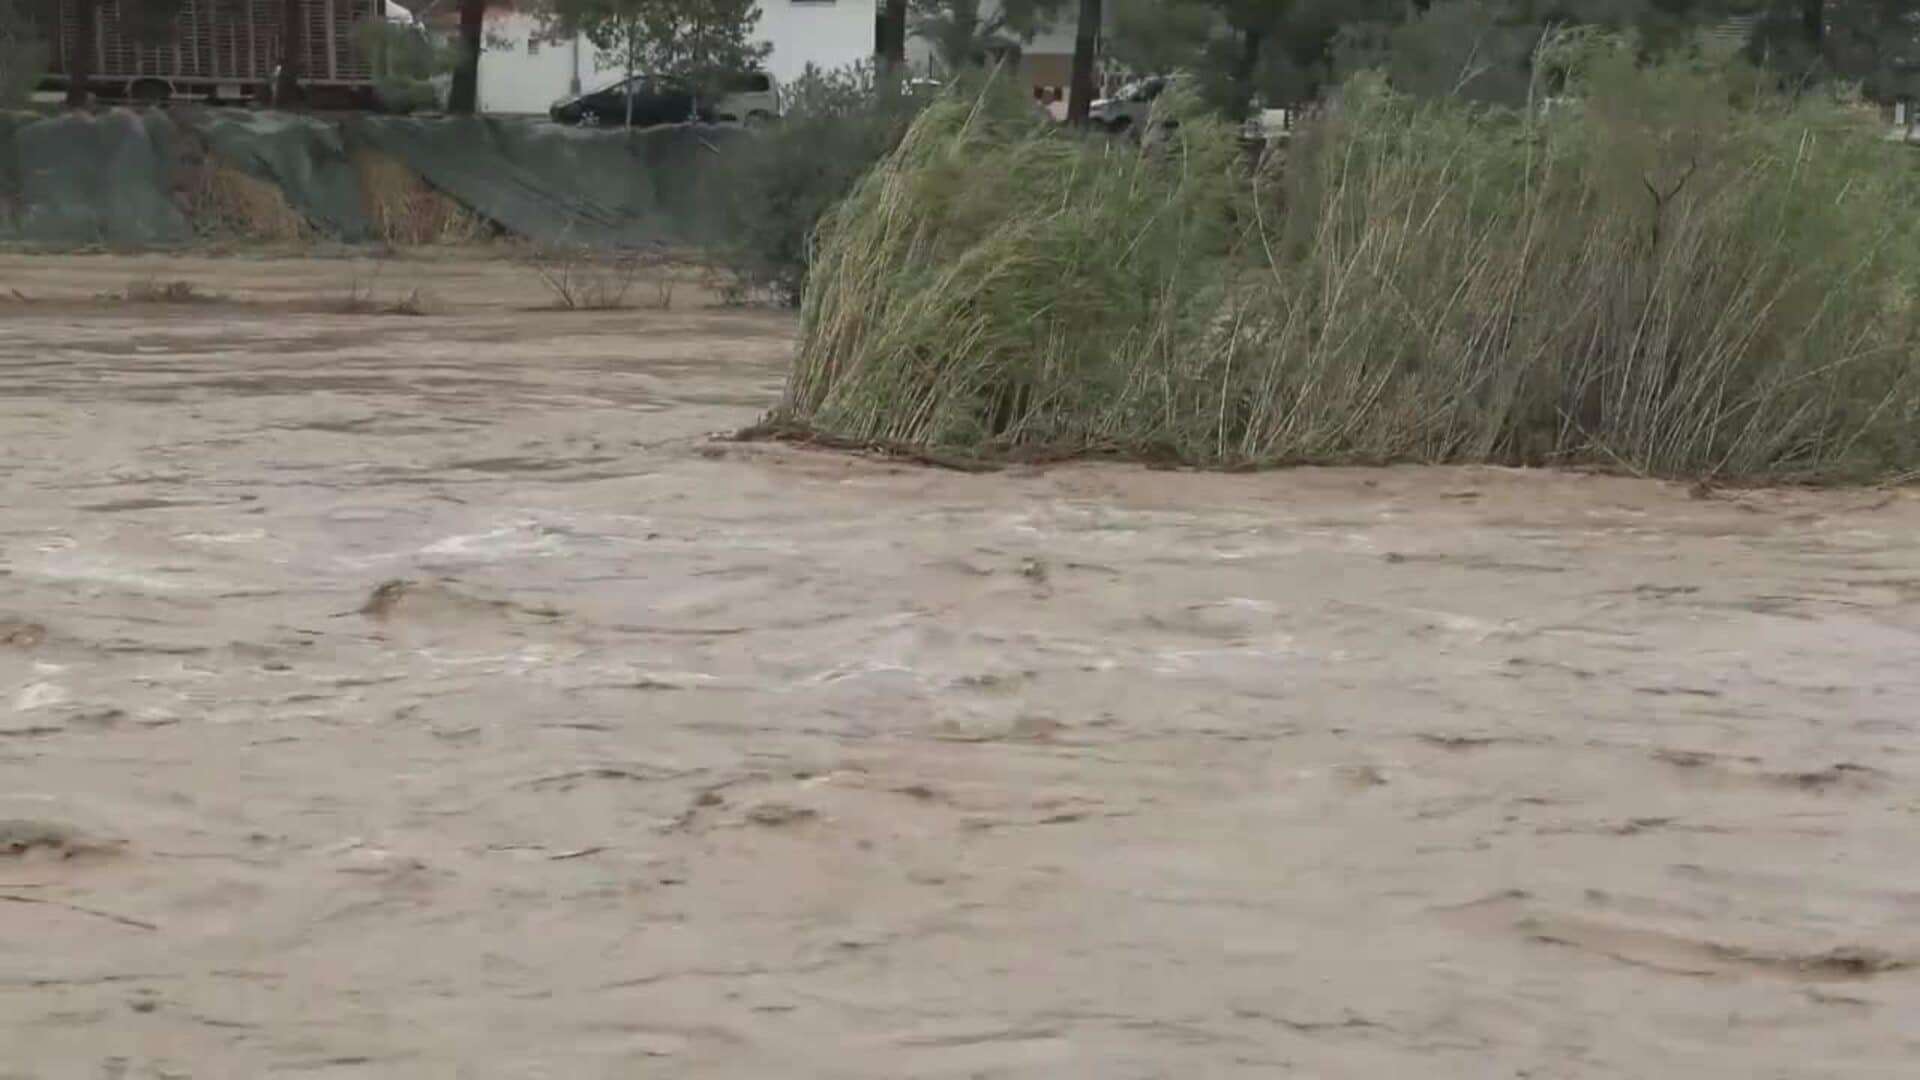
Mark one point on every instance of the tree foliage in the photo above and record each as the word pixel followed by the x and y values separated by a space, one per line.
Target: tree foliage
pixel 23 54
pixel 1158 36
pixel 1481 50
pixel 972 33
pixel 405 60
pixel 700 42
pixel 1875 43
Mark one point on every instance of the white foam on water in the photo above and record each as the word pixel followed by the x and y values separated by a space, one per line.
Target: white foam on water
pixel 103 572
pixel 675 678
pixel 38 696
pixel 522 538
pixel 1245 603
pixel 251 536
pixel 858 670
pixel 1186 661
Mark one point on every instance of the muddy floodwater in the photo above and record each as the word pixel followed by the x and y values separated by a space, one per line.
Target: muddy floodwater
pixel 388 696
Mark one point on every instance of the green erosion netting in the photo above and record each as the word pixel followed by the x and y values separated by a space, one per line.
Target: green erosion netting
pixel 302 156
pixel 79 180
pixel 1673 275
pixel 110 179
pixel 9 176
pixel 566 185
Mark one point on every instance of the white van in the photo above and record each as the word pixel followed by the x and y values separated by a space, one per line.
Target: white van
pixel 749 98
pixel 1132 105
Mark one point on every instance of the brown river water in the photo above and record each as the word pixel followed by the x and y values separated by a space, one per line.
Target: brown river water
pixel 432 697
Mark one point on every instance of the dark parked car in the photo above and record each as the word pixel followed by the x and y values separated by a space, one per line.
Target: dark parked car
pixel 657 100
pixel 648 100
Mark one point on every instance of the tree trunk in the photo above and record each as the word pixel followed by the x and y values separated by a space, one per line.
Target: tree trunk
pixel 463 99
pixel 1244 67
pixel 80 52
pixel 1086 39
pixel 890 41
pixel 1813 24
pixel 286 83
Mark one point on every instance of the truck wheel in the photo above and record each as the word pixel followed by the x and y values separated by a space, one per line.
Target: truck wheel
pixel 149 91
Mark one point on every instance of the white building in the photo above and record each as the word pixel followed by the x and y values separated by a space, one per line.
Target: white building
pixel 521 73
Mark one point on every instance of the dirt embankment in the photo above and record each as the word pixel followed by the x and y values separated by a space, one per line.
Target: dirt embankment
pixel 429 696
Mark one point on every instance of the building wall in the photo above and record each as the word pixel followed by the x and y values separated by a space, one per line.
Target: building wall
pixel 525 75
pixel 826 33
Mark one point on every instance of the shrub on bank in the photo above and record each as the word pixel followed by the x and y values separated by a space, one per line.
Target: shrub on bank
pixel 1680 273
pixel 836 126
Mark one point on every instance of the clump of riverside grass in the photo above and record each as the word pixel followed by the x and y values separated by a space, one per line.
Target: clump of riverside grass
pixel 1678 273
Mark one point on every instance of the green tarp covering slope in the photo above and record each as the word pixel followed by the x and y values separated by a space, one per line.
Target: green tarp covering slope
pixel 557 184
pixel 83 180
pixel 302 156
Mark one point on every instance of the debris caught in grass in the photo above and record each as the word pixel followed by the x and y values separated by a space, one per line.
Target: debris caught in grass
pixel 415 303
pixel 362 297
pixel 357 300
pixel 154 291
pixel 581 278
